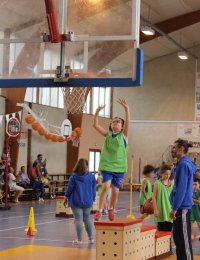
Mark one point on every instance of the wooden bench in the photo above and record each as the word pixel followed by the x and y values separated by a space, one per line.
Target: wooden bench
pixel 29 194
pixel 57 177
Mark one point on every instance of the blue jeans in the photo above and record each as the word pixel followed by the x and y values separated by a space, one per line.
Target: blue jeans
pixel 82 215
pixel 39 186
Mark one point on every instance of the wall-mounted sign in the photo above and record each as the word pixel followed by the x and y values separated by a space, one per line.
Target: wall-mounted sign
pixel 13 127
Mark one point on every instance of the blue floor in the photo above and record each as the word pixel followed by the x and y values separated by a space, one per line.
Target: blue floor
pixel 54 231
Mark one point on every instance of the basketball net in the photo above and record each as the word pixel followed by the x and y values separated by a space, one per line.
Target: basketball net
pixel 74 99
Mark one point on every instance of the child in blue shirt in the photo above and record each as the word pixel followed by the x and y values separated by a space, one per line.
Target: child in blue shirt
pixel 80 195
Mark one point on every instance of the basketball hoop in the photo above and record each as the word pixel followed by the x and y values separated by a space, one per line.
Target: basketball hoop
pixel 74 99
pixel 21 140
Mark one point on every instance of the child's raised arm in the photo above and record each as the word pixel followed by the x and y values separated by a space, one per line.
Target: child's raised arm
pixel 96 125
pixel 123 102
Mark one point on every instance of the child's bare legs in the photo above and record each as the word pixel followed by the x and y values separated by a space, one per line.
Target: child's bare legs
pixel 51 190
pixel 114 197
pixel 104 192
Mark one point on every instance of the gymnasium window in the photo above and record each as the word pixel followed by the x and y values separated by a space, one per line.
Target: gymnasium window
pixel 15 49
pixel 30 95
pixel 47 96
pixel 99 97
pixel 54 97
pixel 94 157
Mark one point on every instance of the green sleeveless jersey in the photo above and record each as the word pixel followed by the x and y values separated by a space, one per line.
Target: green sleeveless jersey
pixel 162 201
pixel 195 212
pixel 113 154
pixel 148 193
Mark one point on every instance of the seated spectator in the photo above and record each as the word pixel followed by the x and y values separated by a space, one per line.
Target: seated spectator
pixel 3 157
pixel 35 180
pixel 23 179
pixel 197 175
pixel 13 185
pixel 42 164
pixel 2 183
pixel 47 183
pixel 2 164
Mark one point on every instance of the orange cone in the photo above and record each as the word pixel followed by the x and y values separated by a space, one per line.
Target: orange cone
pixel 29 232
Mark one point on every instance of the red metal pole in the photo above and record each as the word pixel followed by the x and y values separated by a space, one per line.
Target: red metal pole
pixel 55 36
pixel 140 161
pixel 6 173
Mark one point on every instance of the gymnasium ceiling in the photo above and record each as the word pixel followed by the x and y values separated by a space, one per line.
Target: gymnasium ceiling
pixel 108 17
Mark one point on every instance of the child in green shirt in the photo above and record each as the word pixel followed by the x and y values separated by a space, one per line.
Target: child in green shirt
pixel 146 188
pixel 195 212
pixel 161 192
pixel 113 160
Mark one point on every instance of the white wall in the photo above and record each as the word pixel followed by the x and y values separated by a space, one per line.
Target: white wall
pixel 168 93
pixel 56 153
pixel 90 138
pixel 2 127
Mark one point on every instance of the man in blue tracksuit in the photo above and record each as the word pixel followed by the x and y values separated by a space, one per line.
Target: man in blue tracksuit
pixel 181 200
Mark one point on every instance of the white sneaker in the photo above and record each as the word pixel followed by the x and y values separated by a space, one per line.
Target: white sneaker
pixel 41 199
pixel 76 241
pixel 91 241
pixel 52 196
pixel 16 201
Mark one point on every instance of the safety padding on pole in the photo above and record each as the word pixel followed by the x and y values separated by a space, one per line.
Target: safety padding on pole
pixel 31 221
pixel 118 240
pixel 131 216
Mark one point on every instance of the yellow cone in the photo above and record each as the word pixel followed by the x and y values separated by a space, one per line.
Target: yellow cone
pixel 31 221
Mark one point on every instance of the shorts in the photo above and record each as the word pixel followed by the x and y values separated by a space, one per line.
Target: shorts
pixel 16 188
pixel 116 178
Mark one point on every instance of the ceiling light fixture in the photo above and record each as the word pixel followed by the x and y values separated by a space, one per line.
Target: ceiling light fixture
pixel 147 30
pixel 183 55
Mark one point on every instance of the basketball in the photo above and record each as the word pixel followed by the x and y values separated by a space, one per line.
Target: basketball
pixel 148 207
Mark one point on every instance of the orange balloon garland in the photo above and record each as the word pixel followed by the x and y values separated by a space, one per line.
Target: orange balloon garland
pixel 41 132
pixel 47 136
pixel 78 131
pixel 29 119
pixel 54 138
pixel 74 134
pixel 36 126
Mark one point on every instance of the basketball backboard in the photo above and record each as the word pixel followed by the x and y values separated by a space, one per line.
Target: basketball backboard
pixel 102 47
